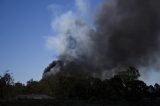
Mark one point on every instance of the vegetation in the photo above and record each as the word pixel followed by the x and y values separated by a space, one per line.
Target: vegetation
pixel 124 86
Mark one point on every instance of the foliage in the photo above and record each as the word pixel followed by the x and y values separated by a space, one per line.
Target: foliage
pixel 6 85
pixel 123 86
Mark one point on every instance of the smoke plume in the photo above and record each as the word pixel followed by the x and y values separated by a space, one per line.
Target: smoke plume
pixel 124 33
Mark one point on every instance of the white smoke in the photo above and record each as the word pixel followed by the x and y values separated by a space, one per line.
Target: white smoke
pixel 82 6
pixel 70 32
pixel 60 26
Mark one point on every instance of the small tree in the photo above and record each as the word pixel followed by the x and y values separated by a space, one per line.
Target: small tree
pixel 130 74
pixel 33 86
pixel 19 88
pixel 6 85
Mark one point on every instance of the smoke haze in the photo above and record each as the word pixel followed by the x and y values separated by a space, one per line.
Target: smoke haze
pixel 124 33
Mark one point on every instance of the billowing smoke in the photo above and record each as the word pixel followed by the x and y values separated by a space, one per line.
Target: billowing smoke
pixel 124 33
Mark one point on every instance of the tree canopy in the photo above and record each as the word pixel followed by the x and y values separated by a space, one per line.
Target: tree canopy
pixel 123 86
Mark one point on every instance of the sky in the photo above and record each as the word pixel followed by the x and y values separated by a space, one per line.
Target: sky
pixel 26 32
pixel 25 26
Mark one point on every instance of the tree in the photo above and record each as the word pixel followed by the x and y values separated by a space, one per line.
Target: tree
pixel 6 85
pixel 136 89
pixel 33 86
pixel 19 88
pixel 116 88
pixel 130 74
pixel 8 78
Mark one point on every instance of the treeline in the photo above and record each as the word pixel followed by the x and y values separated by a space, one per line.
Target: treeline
pixel 123 86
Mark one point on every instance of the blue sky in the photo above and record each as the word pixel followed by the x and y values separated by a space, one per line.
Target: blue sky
pixel 24 24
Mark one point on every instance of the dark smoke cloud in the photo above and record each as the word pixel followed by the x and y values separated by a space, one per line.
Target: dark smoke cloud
pixel 126 34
